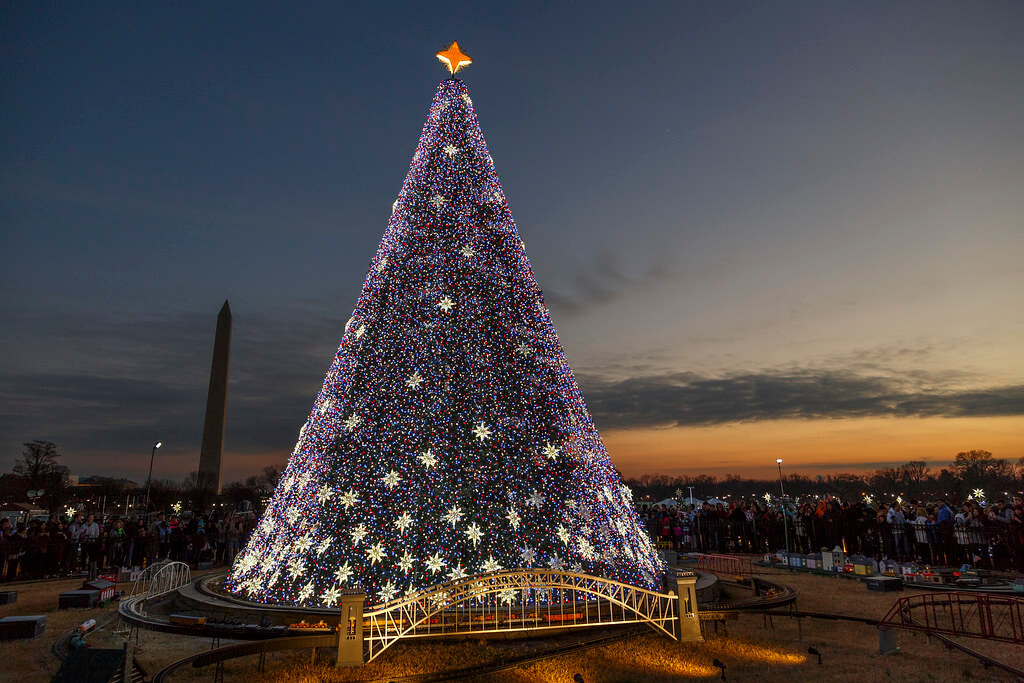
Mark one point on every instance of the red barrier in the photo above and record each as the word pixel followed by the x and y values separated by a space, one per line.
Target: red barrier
pixel 726 564
pixel 971 615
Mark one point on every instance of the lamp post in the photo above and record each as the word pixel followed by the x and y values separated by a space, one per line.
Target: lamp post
pixel 782 503
pixel 149 479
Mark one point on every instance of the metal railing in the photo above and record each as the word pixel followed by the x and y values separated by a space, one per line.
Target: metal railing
pixel 156 580
pixel 996 546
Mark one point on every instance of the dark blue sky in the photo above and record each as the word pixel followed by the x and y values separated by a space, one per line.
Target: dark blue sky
pixel 709 192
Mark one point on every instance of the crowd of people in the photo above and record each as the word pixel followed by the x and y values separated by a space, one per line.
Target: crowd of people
pixel 935 532
pixel 61 547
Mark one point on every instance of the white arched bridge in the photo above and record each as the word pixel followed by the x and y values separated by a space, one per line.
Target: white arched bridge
pixel 518 600
pixel 496 602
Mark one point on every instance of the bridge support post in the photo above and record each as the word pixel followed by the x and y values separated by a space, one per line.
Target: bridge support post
pixel 689 619
pixel 129 658
pixel 887 641
pixel 350 630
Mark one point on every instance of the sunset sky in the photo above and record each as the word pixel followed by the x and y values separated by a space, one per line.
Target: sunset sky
pixel 762 229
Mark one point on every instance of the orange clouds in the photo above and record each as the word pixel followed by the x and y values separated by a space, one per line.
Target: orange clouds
pixel 810 446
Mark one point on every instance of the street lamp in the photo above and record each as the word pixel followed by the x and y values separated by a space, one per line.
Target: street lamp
pixel 149 479
pixel 782 503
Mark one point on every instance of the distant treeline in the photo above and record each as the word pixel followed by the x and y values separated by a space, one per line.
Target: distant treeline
pixel 969 470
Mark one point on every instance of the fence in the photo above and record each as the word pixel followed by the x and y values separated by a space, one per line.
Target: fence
pixel 998 546
pixel 37 557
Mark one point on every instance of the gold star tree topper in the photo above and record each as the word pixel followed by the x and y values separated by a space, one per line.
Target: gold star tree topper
pixel 453 58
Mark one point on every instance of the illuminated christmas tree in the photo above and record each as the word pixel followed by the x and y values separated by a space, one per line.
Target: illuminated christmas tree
pixel 450 437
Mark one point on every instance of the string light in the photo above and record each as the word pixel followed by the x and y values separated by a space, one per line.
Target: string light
pixel 450 437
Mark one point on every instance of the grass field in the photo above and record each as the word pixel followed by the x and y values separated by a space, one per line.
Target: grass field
pixel 753 650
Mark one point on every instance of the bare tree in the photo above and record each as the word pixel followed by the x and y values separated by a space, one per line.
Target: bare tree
pixel 40 470
pixel 38 462
pixel 913 474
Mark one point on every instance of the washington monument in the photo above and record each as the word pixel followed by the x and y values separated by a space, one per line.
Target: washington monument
pixel 216 402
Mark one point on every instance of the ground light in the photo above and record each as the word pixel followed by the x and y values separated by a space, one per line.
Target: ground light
pixel 721 665
pixel 814 651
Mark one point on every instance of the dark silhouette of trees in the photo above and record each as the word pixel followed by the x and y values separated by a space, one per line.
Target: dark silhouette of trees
pixel 914 474
pixel 912 480
pixel 39 469
pixel 38 463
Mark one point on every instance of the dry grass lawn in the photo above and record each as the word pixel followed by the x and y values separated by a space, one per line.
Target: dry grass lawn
pixel 751 651
pixel 33 660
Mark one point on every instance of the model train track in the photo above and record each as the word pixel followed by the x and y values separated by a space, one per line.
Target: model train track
pixel 776 595
pixel 236 651
pixel 984 659
pixel 523 660
pixel 769 607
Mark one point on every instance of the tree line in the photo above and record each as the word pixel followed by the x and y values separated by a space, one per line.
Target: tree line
pixel 969 470
pixel 39 469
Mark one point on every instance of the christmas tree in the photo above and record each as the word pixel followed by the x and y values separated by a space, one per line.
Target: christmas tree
pixel 450 437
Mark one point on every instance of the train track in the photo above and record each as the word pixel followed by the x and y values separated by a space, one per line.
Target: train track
pixel 984 659
pixel 777 595
pixel 523 660
pixel 311 642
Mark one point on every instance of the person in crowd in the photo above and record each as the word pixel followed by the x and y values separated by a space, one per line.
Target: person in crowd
pixel 1003 512
pixel 220 529
pixel 89 535
pixel 897 523
pixel 160 530
pixel 920 525
pixel 233 535
pixel 76 526
pixel 116 543
pixel 60 540
pixel 16 550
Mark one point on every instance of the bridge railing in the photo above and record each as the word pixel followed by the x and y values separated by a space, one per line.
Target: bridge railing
pixel 997 546
pixel 971 615
pixel 158 579
pixel 517 600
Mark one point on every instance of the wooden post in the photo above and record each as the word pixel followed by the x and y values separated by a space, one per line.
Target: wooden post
pixel 350 631
pixel 129 657
pixel 689 618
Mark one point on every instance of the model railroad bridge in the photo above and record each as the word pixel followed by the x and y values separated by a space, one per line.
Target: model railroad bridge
pixel 497 602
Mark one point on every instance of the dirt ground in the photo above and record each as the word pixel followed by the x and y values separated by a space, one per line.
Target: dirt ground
pixel 752 650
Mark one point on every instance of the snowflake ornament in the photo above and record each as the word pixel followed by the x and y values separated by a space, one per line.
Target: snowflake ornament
pixel 482 431
pixel 428 459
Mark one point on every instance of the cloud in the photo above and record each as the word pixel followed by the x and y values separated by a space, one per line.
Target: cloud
pixel 105 388
pixel 687 399
pixel 606 279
